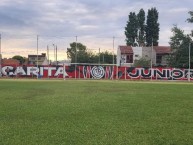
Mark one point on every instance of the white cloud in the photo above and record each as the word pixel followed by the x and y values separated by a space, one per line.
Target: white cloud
pixel 89 19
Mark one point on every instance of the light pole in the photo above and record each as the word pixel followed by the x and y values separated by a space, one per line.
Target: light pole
pixel 48 55
pixel 99 57
pixel 75 57
pixel 55 53
pixel 189 63
pixel 151 58
pixel 113 49
pixel 37 55
pixel 0 58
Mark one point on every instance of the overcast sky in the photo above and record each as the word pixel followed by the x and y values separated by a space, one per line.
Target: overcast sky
pixel 97 21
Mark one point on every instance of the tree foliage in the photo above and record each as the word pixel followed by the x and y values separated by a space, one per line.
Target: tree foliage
pixel 141 27
pixel 131 29
pixel 179 43
pixel 78 53
pixel 152 27
pixel 142 62
pixel 107 58
pixel 190 20
pixel 21 59
pixel 136 30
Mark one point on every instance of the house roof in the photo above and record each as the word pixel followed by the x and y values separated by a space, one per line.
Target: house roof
pixel 126 49
pixel 10 61
pixel 162 49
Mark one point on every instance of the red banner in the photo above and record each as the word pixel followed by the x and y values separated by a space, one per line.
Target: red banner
pixel 96 72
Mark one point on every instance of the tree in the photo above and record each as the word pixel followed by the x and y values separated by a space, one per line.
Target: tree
pixel 141 27
pixel 77 53
pixel 179 43
pixel 82 55
pixel 152 27
pixel 19 58
pixel 142 62
pixel 131 29
pixel 137 30
pixel 107 58
pixel 190 20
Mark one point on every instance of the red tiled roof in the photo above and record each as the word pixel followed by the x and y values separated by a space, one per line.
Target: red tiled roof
pixel 162 49
pixel 10 61
pixel 126 49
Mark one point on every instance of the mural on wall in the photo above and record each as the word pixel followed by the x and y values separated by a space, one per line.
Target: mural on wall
pixel 96 72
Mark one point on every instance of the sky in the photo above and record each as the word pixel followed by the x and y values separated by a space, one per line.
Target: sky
pixel 96 23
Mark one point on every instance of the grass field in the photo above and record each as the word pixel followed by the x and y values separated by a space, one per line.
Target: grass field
pixel 74 112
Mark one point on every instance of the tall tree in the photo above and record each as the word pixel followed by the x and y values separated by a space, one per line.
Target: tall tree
pixel 190 20
pixel 179 43
pixel 152 27
pixel 141 27
pixel 131 29
pixel 77 52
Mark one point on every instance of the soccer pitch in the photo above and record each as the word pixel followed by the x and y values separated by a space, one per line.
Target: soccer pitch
pixel 78 112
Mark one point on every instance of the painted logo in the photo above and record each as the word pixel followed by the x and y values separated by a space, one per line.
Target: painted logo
pixel 97 72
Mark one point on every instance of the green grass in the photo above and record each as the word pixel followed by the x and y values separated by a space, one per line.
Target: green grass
pixel 95 113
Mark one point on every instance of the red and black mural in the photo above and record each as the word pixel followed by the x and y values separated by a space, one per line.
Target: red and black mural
pixel 96 72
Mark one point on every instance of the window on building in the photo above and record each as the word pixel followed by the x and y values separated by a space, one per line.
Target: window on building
pixel 136 55
pixel 158 59
pixel 129 58
pixel 32 59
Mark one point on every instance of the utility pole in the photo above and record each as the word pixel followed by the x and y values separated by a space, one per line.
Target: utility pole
pixel 113 49
pixel 75 57
pixel 54 52
pixel 151 59
pixel 56 55
pixel 37 55
pixel 0 59
pixel 48 54
pixel 189 63
pixel 99 57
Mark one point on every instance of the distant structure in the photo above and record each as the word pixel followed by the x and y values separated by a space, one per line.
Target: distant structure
pixel 127 55
pixel 10 61
pixel 32 59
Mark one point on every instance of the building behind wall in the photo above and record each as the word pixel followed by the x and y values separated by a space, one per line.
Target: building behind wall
pixel 126 55
pixel 32 59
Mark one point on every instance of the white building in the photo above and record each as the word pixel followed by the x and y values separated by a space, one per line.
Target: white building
pixel 126 55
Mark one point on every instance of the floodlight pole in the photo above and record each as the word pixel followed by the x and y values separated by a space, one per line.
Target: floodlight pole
pixel 37 54
pixel 48 54
pixel 0 59
pixel 189 63
pixel 113 48
pixel 54 52
pixel 99 57
pixel 151 58
pixel 56 55
pixel 113 56
pixel 75 57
